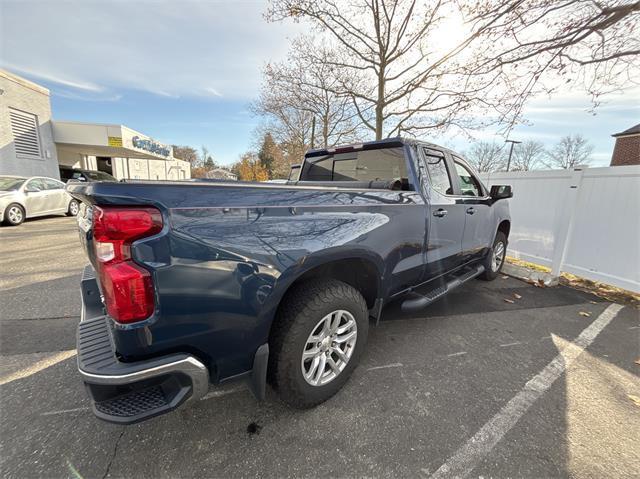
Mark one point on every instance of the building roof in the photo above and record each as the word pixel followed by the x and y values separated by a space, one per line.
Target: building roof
pixel 23 81
pixel 634 130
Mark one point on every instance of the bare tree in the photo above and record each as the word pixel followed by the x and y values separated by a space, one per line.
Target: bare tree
pixel 391 62
pixel 486 156
pixel 527 155
pixel 569 152
pixel 395 61
pixel 186 153
pixel 594 44
pixel 304 85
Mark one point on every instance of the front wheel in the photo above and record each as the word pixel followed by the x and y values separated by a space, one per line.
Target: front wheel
pixel 14 214
pixel 316 342
pixel 495 259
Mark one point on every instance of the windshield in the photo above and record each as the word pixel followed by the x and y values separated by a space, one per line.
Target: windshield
pixel 10 184
pixel 99 176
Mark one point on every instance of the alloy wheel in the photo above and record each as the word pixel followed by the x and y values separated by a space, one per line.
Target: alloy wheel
pixel 329 347
pixel 498 256
pixel 15 214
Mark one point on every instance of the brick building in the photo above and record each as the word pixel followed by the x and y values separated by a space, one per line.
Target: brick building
pixel 627 148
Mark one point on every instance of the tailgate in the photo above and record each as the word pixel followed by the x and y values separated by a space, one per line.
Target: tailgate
pixel 84 218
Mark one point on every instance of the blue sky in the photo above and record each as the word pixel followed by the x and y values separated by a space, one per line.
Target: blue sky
pixel 185 72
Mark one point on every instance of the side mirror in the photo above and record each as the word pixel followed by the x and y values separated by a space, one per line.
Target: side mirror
pixel 31 189
pixel 501 192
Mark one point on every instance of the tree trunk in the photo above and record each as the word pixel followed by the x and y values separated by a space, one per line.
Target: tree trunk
pixel 380 104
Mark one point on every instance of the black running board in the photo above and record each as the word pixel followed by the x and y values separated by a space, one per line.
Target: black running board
pixel 418 301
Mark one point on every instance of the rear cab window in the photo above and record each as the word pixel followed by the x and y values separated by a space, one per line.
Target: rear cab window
pixel 385 164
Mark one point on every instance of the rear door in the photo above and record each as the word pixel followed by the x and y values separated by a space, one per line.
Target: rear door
pixel 58 198
pixel 478 229
pixel 35 201
pixel 446 216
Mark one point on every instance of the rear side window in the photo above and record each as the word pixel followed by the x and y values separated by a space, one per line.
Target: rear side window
pixel 366 165
pixel 53 184
pixel 439 174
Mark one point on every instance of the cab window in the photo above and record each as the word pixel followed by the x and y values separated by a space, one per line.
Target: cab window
pixel 469 185
pixel 364 165
pixel 438 173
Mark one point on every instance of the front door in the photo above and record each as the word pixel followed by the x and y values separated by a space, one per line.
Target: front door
pixel 35 197
pixel 478 229
pixel 445 224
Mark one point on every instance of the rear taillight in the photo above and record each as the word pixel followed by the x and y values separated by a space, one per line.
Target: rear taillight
pixel 126 286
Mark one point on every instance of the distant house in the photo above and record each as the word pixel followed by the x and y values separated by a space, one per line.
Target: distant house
pixel 627 148
pixel 220 174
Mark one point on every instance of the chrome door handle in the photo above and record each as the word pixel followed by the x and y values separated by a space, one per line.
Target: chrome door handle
pixel 440 213
pixel 471 211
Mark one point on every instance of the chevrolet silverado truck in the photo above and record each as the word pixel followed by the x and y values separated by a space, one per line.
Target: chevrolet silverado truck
pixel 193 284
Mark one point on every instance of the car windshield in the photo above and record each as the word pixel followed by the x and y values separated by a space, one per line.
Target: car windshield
pixel 10 184
pixel 99 176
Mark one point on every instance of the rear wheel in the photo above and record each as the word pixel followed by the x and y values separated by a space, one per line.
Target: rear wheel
pixel 495 259
pixel 73 208
pixel 14 214
pixel 316 342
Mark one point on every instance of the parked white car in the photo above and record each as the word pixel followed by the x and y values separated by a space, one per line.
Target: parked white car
pixel 22 198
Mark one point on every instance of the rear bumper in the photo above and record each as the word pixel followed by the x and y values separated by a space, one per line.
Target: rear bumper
pixel 122 392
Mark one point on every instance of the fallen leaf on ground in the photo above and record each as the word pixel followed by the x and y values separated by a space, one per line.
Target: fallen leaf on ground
pixel 637 361
pixel 517 296
pixel 504 276
pixel 541 283
pixel 635 399
pixel 593 302
pixel 584 313
pixel 507 300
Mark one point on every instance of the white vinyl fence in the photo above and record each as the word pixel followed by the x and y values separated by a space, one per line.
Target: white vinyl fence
pixel 584 221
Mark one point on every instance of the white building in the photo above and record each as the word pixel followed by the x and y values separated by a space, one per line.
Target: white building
pixel 32 144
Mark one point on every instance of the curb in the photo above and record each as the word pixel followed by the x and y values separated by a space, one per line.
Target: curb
pixel 530 275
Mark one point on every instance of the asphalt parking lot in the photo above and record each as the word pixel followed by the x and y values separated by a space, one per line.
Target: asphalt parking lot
pixel 473 385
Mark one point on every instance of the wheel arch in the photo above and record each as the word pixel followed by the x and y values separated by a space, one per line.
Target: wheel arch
pixel 505 227
pixel 20 204
pixel 363 270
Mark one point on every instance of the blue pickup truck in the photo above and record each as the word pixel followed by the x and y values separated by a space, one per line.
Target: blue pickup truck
pixel 193 284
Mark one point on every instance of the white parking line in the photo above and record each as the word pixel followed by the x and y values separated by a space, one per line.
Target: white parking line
pixel 461 353
pixel 222 392
pixel 38 366
pixel 473 452
pixel 392 365
pixel 64 411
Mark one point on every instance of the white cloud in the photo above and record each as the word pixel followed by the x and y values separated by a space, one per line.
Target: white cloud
pixel 213 91
pixel 53 77
pixel 174 49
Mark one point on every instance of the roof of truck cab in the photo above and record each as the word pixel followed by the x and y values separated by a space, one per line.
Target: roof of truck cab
pixel 369 145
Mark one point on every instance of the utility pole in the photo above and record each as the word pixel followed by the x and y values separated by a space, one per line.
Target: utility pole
pixel 313 132
pixel 513 142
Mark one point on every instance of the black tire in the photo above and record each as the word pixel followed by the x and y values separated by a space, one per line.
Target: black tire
pixel 73 208
pixel 299 314
pixel 490 271
pixel 14 219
